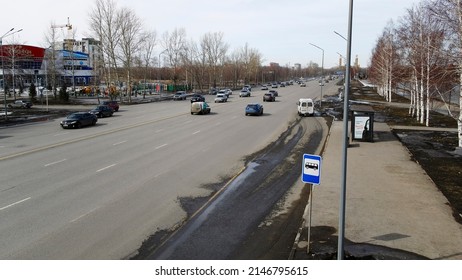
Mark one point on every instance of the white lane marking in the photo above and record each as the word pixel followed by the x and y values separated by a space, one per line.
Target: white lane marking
pixel 83 215
pixel 55 162
pixel 13 204
pixel 104 168
pixel 59 134
pixel 118 143
pixel 158 147
pixel 196 132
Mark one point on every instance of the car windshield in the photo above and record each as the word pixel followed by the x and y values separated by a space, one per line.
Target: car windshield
pixel 252 106
pixel 75 116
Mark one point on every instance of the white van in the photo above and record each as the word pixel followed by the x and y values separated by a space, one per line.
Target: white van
pixel 305 107
pixel 201 108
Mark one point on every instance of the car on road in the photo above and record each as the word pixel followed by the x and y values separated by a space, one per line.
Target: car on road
pixel 78 120
pixel 200 108
pixel 264 87
pixel 197 98
pixel 305 107
pixel 113 104
pixel 255 109
pixel 20 104
pixel 244 93
pixel 274 92
pixel 302 84
pixel 274 85
pixel 224 91
pixel 221 97
pixel 179 95
pixel 269 97
pixel 102 111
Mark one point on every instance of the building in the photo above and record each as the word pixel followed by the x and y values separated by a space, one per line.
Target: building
pixel 23 65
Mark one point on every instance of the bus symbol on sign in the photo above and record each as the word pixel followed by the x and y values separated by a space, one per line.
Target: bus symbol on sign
pixel 311 169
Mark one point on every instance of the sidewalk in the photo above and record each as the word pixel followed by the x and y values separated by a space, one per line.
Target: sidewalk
pixel 393 209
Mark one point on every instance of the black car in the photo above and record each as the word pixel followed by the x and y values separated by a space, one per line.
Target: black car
pixel 102 111
pixel 197 98
pixel 113 104
pixel 78 120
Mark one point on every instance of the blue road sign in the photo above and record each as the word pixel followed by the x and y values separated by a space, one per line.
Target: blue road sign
pixel 311 169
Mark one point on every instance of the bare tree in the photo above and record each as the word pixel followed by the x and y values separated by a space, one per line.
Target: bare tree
pixel 131 41
pixel 175 44
pixel 215 49
pixel 104 25
pixel 147 49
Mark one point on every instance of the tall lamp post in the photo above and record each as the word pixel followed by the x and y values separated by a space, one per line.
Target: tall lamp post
pixel 10 32
pixel 158 72
pixel 341 235
pixel 322 71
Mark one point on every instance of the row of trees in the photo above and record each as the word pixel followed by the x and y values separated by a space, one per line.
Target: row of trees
pixel 421 56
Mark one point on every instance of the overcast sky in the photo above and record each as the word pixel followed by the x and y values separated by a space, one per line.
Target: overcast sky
pixel 280 30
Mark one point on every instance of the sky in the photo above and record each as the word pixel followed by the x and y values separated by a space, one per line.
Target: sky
pixel 282 31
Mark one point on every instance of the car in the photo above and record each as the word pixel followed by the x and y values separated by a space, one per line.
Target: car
pixel 274 92
pixel 200 108
pixel 274 85
pixel 247 87
pixel 113 104
pixel 197 98
pixel 263 87
pixel 78 120
pixel 269 97
pixel 102 111
pixel 179 95
pixel 244 93
pixel 221 97
pixel 255 109
pixel 224 91
pixel 302 85
pixel 20 104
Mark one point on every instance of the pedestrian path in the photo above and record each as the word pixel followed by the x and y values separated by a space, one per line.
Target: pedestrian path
pixel 393 208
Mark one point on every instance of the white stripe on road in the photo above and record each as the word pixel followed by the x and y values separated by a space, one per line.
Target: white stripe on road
pixel 55 162
pixel 158 147
pixel 104 168
pixel 118 143
pixel 13 204
pixel 196 132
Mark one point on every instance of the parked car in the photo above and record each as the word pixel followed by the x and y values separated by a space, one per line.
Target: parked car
pixel 113 104
pixel 200 108
pixel 20 104
pixel 244 93
pixel 102 111
pixel 179 95
pixel 274 92
pixel 78 120
pixel 254 109
pixel 269 97
pixel 197 98
pixel 221 97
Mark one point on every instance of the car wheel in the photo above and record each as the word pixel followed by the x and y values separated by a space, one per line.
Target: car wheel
pixel 78 125
pixel 94 122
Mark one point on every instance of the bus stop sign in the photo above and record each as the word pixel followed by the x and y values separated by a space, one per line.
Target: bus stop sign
pixel 311 169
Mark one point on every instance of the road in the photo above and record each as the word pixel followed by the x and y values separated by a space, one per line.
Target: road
pixel 99 192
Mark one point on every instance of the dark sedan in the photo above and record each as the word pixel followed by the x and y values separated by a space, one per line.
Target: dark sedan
pixel 254 109
pixel 78 120
pixel 197 98
pixel 102 111
pixel 113 104
pixel 269 97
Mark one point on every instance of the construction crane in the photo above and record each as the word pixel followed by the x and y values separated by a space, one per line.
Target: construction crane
pixel 69 33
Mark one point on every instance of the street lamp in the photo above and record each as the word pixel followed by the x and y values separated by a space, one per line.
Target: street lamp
pixel 322 72
pixel 10 32
pixel 158 71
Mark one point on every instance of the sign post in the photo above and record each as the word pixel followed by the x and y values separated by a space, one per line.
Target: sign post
pixel 311 174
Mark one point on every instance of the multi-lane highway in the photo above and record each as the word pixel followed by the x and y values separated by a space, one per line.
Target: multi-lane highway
pixel 100 191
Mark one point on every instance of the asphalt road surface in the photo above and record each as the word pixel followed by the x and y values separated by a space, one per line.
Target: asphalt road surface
pixel 102 192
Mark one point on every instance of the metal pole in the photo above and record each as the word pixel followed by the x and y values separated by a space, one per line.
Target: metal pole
pixel 322 71
pixel 3 72
pixel 309 220
pixel 341 235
